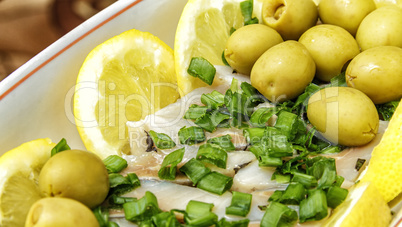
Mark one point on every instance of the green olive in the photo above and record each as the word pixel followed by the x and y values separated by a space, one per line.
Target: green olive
pixel 289 17
pixel 382 27
pixel 343 115
pixel 345 13
pixel 283 71
pixel 247 44
pixel 377 72
pixel 75 174
pixel 331 47
pixel 60 212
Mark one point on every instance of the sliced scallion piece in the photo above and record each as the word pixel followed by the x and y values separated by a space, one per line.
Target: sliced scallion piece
pixel 213 100
pixel 114 163
pixel 261 116
pixel 203 69
pixel 286 122
pixel 199 214
pixel 195 111
pixel 213 154
pixel 307 180
pixel 224 142
pixel 278 214
pixel 120 200
pixel 254 135
pixel 195 170
pixel 161 140
pixel 142 209
pixel 276 196
pixel 240 204
pixel 252 93
pixel 314 207
pixel 167 219
pixel 238 223
pixel 278 146
pixel 247 12
pixel 336 195
pixel 211 120
pixel 191 135
pixel 60 146
pixel 120 184
pixel 169 165
pixel 215 182
pixel 294 194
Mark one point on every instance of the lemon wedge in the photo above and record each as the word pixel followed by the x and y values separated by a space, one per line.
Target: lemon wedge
pixel 364 206
pixel 19 172
pixel 203 29
pixel 123 79
pixel 385 166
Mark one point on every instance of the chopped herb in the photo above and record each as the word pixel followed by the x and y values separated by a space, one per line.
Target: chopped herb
pixel 191 135
pixel 240 204
pixel 247 12
pixel 142 209
pixel 239 223
pixel 261 116
pixel 161 140
pixel 211 120
pixel 60 146
pixel 224 142
pixel 120 184
pixel 213 100
pixel 200 214
pixel 195 170
pixel 169 165
pixel 294 194
pixel 115 163
pixel 195 111
pixel 203 69
pixel 213 154
pixel 336 195
pixel 278 214
pixel 386 110
pixel 215 182
pixel 314 207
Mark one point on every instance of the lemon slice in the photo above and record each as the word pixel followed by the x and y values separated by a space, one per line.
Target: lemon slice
pixel 385 166
pixel 202 31
pixel 19 172
pixel 364 206
pixel 123 79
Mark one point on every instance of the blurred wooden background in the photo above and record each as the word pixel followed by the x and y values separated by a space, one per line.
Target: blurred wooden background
pixel 29 26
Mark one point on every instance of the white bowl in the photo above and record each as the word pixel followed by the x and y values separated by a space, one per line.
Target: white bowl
pixel 36 99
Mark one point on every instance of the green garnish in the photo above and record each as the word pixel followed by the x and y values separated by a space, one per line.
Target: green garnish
pixel 169 165
pixel 191 135
pixel 278 214
pixel 114 163
pixel 386 110
pixel 247 12
pixel 294 194
pixel 314 207
pixel 195 170
pixel 120 184
pixel 211 120
pixel 261 116
pixel 238 223
pixel 195 111
pixel 213 100
pixel 167 219
pixel 215 182
pixel 60 146
pixel 200 214
pixel 225 142
pixel 213 154
pixel 161 140
pixel 142 209
pixel 336 195
pixel 203 69
pixel 240 204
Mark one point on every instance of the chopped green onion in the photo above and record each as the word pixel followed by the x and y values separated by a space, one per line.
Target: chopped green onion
pixel 336 195
pixel 112 224
pixel 101 215
pixel 254 135
pixel 315 207
pixel 386 110
pixel 224 142
pixel 294 194
pixel 252 93
pixel 238 103
pixel 120 184
pixel 268 161
pixel 169 165
pixel 261 116
pixel 142 209
pixel 338 181
pixel 203 69
pixel 240 204
pixel 278 214
pixel 161 140
pixel 213 154
pixel 195 170
pixel 287 122
pixel 199 214
pixel 195 111
pixel 191 135
pixel 276 196
pixel 281 178
pixel 167 219
pixel 323 169
pixel 213 100
pixel 247 12
pixel 307 180
pixel 225 62
pixel 60 146
pixel 115 163
pixel 211 120
pixel 120 200
pixel 215 182
pixel 278 146
pixel 238 223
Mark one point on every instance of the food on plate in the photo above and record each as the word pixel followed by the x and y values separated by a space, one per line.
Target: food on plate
pixel 364 206
pixel 19 173
pixel 75 174
pixel 343 115
pixel 283 71
pixel 61 212
pixel 381 28
pixel 290 17
pixel 346 14
pixel 247 44
pixel 385 164
pixel 125 78
pixel 203 30
pixel 331 47
pixel 377 73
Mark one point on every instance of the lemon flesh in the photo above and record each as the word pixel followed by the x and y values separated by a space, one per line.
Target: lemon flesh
pixel 19 172
pixel 385 166
pixel 202 31
pixel 123 79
